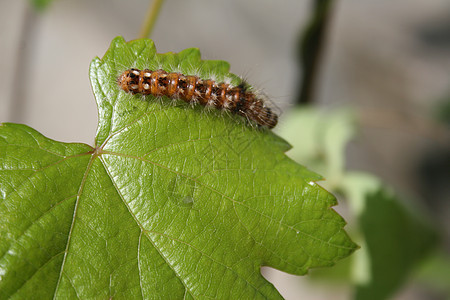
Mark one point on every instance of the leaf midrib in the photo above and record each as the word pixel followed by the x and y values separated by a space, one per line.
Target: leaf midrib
pixel 80 191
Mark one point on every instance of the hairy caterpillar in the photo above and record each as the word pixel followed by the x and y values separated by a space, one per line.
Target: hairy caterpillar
pixel 236 99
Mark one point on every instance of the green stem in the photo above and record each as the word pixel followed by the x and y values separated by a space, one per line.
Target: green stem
pixel 150 19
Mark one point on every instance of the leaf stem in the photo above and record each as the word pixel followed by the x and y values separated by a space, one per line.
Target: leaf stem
pixel 150 19
pixel 311 48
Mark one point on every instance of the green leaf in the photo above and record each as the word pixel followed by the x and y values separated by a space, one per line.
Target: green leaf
pixel 172 202
pixel 396 239
pixel 394 242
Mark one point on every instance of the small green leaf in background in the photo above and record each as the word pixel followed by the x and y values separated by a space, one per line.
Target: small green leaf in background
pixel 396 239
pixel 171 202
pixel 393 239
pixel 41 4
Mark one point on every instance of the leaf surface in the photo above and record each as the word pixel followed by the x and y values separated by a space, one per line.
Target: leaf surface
pixel 172 201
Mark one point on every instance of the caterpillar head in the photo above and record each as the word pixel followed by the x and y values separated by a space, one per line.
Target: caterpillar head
pixel 129 81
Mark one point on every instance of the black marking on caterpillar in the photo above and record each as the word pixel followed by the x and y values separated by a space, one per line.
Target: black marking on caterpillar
pixel 191 89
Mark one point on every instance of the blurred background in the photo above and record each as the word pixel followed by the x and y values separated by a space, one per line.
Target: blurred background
pixel 386 61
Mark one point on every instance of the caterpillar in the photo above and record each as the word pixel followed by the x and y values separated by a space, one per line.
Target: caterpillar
pixel 191 89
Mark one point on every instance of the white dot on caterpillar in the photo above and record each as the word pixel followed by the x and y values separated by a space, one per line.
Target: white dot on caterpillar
pixel 147 74
pixel 136 72
pixel 226 104
pixel 146 86
pixel 134 87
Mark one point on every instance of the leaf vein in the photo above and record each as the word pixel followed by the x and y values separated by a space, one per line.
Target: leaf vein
pixel 80 190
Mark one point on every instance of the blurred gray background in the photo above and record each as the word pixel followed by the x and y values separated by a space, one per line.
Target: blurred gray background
pixel 390 60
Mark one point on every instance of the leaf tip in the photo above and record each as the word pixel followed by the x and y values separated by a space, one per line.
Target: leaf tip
pixel 118 41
